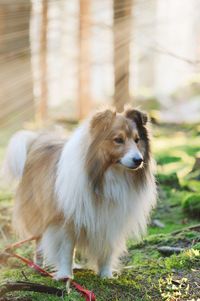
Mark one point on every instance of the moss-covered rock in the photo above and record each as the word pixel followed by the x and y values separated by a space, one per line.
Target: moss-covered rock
pixel 191 205
pixel 197 246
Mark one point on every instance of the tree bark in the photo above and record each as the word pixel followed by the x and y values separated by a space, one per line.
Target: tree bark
pixel 122 11
pixel 84 59
pixel 43 101
pixel 16 82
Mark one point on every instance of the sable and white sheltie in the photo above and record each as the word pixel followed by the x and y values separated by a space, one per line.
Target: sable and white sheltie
pixel 89 193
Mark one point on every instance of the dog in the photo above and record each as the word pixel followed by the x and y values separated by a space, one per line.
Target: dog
pixel 88 193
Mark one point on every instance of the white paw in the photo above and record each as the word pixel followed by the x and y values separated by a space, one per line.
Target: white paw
pixel 63 275
pixel 106 273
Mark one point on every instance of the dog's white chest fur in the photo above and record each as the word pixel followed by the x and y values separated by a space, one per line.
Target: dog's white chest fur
pixel 123 211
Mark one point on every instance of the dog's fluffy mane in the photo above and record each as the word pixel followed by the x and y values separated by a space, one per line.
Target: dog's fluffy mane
pixel 68 184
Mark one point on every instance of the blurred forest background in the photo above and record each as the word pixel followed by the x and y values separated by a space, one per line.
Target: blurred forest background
pixel 60 60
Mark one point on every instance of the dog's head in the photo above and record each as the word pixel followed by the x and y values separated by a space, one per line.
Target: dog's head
pixel 117 139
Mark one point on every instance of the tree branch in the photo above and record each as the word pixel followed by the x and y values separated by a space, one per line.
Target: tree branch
pixel 29 286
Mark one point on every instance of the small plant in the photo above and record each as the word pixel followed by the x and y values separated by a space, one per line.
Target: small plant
pixel 185 260
pixel 171 289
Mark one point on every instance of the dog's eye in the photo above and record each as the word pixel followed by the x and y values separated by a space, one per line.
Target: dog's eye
pixel 137 140
pixel 119 140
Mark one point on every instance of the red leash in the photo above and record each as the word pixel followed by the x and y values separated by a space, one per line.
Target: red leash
pixel 89 295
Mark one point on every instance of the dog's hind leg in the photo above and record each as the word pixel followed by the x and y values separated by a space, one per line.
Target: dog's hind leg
pixel 38 256
pixel 58 247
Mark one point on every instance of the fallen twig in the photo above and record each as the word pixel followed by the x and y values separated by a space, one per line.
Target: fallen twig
pixel 193 227
pixel 16 298
pixel 157 223
pixel 24 275
pixel 166 250
pixel 30 286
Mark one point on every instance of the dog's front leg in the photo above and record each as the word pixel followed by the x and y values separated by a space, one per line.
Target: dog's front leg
pixel 65 260
pixel 58 247
pixel 105 266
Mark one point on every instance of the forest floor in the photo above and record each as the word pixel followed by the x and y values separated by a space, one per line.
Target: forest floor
pixel 146 274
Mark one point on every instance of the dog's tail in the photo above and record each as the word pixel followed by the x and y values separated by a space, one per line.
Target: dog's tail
pixel 13 165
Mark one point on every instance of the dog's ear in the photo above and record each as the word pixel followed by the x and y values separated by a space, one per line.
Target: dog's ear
pixel 102 121
pixel 139 117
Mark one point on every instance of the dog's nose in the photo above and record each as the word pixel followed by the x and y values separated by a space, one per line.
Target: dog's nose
pixel 137 161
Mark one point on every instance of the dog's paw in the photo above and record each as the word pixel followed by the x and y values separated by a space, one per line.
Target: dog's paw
pixel 106 273
pixel 60 275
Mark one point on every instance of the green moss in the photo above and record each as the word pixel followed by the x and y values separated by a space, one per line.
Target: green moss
pixel 170 180
pixel 197 246
pixel 191 205
pixel 186 260
pixel 165 159
pixel 189 149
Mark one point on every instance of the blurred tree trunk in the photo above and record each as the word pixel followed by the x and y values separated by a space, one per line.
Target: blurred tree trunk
pixel 84 59
pixel 122 11
pixel 16 82
pixel 43 101
pixel 146 76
